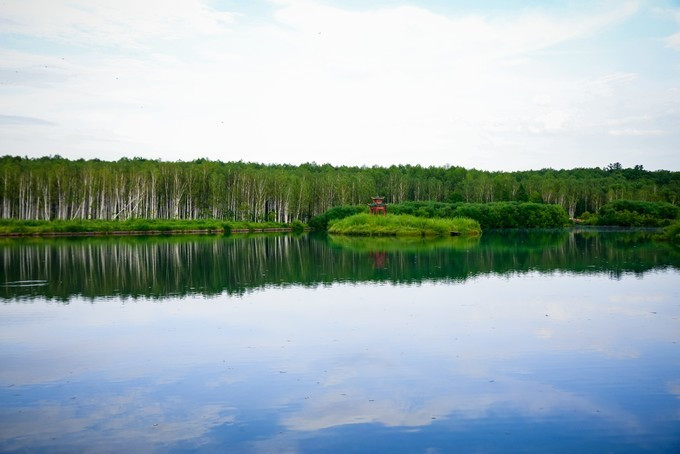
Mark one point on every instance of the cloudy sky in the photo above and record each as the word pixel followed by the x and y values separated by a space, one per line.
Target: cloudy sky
pixel 497 85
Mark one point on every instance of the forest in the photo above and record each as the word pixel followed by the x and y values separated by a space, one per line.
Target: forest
pixel 55 188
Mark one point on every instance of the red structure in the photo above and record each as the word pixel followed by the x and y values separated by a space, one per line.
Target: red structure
pixel 378 206
pixel 379 259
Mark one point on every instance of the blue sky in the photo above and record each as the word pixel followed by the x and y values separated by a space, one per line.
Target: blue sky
pixel 497 85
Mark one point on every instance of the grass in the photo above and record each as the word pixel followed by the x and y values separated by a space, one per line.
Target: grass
pixel 32 227
pixel 403 225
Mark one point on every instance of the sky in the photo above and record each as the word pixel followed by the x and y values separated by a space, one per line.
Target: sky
pixel 493 85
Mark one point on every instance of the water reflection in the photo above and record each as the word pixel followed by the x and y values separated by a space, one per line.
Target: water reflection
pixel 587 362
pixel 513 342
pixel 159 267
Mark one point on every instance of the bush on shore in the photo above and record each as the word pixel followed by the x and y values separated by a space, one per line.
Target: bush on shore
pixel 495 215
pixel 633 213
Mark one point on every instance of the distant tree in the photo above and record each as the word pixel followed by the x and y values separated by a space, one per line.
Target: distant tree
pixel 521 195
pixel 613 167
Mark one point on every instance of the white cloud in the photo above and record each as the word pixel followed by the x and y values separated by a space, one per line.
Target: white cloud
pixel 607 85
pixel 22 121
pixel 672 41
pixel 313 82
pixel 552 121
pixel 541 99
pixel 635 132
pixel 101 22
pixel 629 119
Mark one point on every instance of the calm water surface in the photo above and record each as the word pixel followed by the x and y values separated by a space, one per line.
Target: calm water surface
pixel 557 341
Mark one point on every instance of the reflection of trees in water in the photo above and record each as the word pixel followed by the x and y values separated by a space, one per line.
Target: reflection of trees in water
pixel 576 251
pixel 157 267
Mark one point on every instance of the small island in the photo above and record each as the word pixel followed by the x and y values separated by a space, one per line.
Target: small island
pixel 364 224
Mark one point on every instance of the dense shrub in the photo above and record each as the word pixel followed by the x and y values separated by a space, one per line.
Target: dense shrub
pixel 494 215
pixel 424 209
pixel 297 226
pixel 632 213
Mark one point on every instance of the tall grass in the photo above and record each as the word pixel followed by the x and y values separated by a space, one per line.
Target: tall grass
pixel 321 222
pixel 402 225
pixel 14 226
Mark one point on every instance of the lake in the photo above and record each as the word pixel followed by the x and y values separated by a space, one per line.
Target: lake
pixel 544 341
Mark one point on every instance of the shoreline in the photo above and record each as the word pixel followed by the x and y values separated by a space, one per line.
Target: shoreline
pixel 144 232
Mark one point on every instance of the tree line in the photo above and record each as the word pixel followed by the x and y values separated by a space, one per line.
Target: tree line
pixel 56 188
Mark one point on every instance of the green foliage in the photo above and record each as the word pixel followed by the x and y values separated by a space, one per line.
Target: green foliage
pixel 297 226
pixel 55 188
pixel 494 215
pixel 14 226
pixel 402 225
pixel 521 195
pixel 588 218
pixel 672 233
pixel 320 223
pixel 633 213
